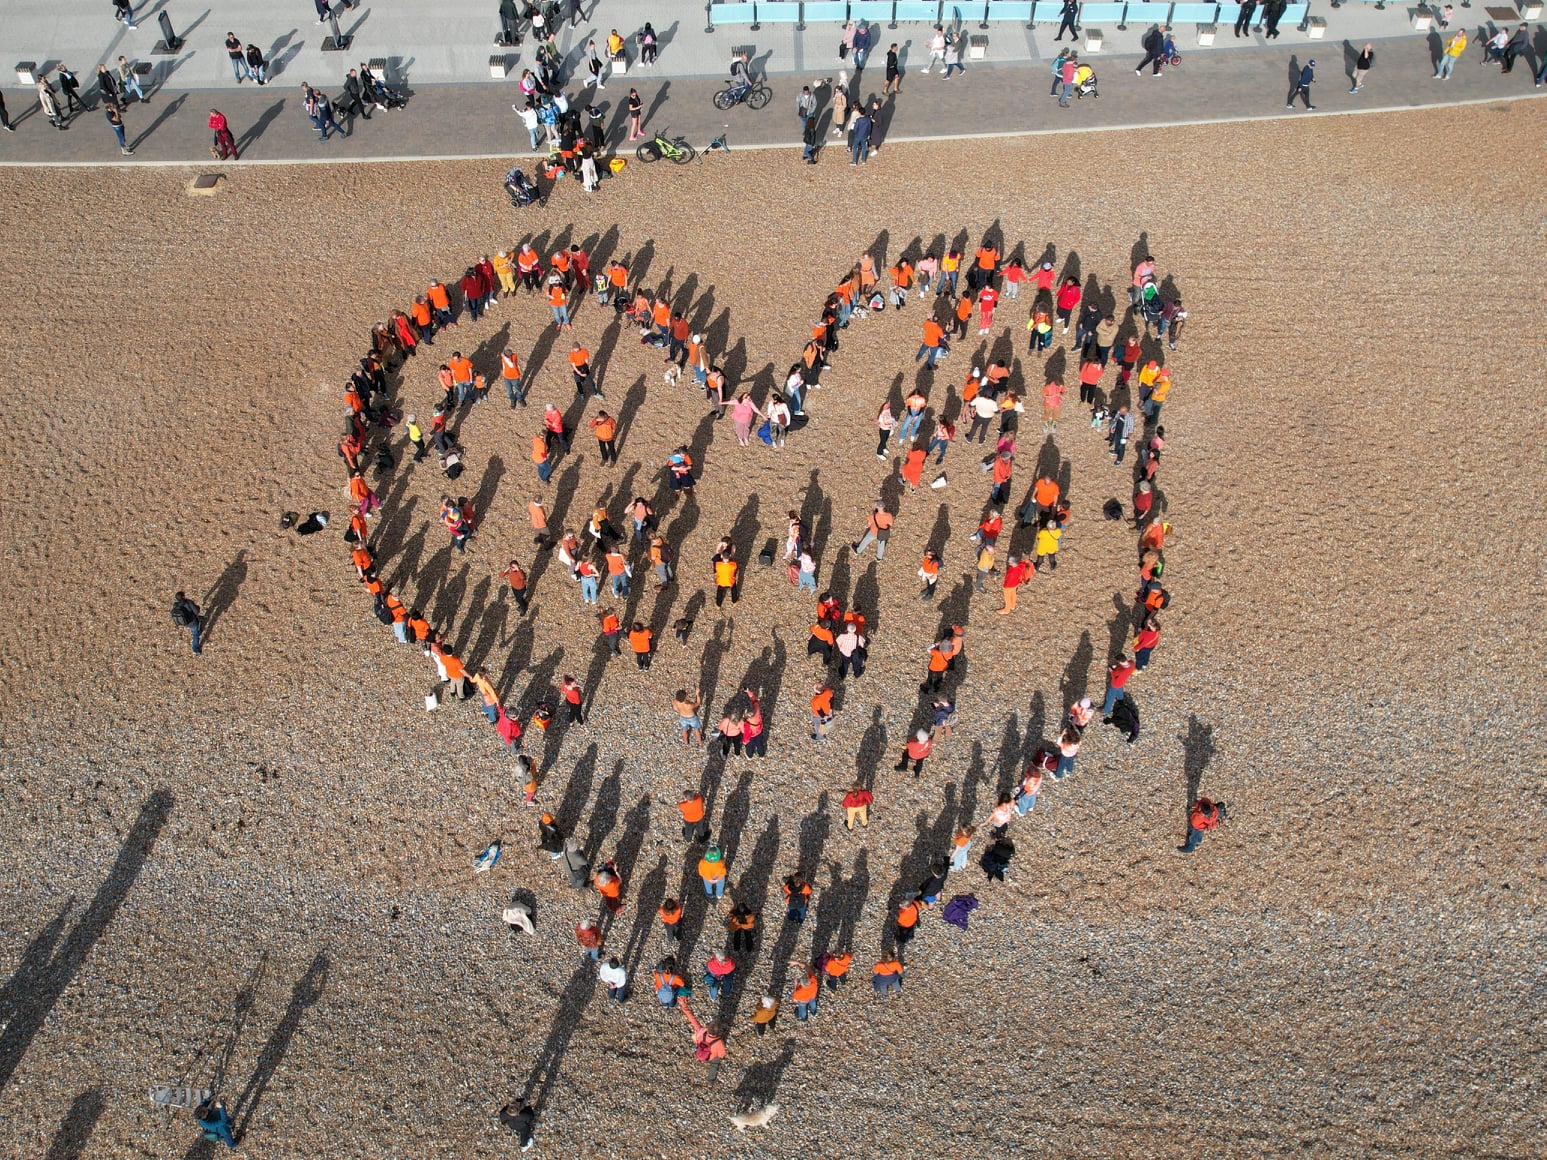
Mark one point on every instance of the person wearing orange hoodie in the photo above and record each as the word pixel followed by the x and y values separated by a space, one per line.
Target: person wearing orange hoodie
pixel 834 966
pixel 887 975
pixel 639 639
pixel 609 885
pixel 695 830
pixel 711 869
pixel 805 990
pixel 907 923
pixel 670 913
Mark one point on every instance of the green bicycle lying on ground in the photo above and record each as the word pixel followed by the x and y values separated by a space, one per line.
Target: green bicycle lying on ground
pixel 672 148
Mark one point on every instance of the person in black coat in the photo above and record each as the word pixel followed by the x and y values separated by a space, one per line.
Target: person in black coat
pixel 69 86
pixel 996 859
pixel 1153 44
pixel 1125 718
pixel 931 887
pixel 520 1118
pixel 1066 19
pixel 1243 20
pixel 355 102
pixel 1272 13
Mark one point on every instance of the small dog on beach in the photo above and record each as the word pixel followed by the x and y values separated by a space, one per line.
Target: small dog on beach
pixel 757 1119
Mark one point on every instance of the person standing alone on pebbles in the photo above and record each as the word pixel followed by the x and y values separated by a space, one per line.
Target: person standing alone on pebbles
pixel 185 614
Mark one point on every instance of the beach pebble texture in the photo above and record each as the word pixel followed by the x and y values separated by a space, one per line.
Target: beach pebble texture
pixel 253 870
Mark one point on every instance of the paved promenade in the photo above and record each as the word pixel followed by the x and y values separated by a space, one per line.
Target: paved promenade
pixel 458 109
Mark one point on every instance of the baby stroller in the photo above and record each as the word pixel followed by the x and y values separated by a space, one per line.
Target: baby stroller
pixel 522 191
pixel 1085 82
pixel 378 93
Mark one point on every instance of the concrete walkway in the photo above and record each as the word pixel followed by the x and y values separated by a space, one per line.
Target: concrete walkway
pixel 450 41
pixel 1004 94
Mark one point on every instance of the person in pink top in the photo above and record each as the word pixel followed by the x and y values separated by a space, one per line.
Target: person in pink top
pixel 743 411
pixel 753 735
pixel 1002 813
pixel 1052 401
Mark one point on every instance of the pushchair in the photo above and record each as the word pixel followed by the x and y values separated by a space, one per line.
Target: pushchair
pixel 1085 82
pixel 522 191
pixel 378 93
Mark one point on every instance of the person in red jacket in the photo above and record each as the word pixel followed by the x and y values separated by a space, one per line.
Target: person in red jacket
pixel 856 806
pixel 1015 575
pixel 916 751
pixel 1145 642
pixel 1068 299
pixel 1117 677
pixel 1205 816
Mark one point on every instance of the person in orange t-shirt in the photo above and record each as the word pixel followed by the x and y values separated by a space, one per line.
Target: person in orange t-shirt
pixel 805 990
pixel 834 966
pixel 609 885
pixel 725 573
pixel 440 304
pixel 670 913
pixel 933 344
pixel 887 976
pixel 580 366
pixel 606 429
pixel 639 638
pixel 821 711
pixel 695 830
pixel 963 313
pixel 558 301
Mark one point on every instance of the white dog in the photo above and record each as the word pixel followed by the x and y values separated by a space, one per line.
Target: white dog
pixel 757 1119
pixel 673 373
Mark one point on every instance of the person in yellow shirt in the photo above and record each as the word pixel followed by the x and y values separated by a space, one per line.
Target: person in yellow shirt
pixel 506 272
pixel 1448 58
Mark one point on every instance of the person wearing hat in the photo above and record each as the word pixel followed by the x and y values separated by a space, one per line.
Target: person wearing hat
pixel 1302 88
pixel 711 868
pixel 862 41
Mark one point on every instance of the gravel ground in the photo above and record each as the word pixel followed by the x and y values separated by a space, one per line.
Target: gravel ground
pixel 258 865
